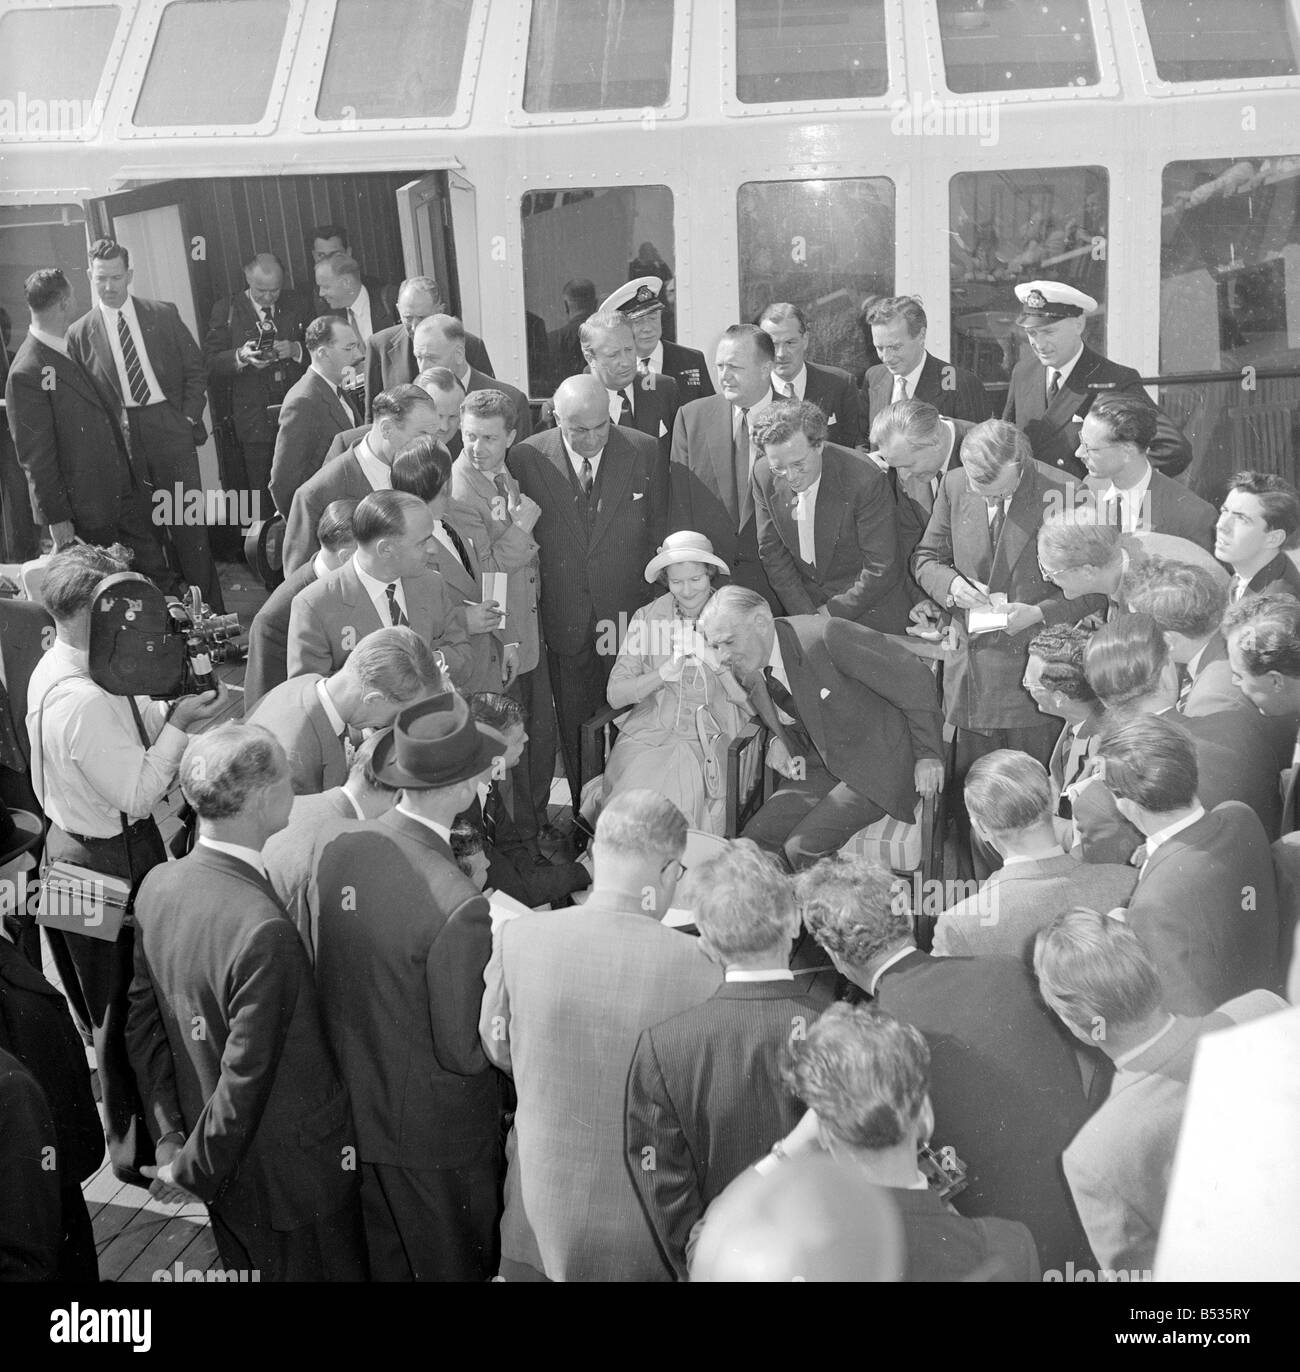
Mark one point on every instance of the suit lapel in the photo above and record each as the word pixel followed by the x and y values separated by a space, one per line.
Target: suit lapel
pixel 1024 515
pixel 329 741
pixel 559 475
pixel 342 418
pixel 804 684
pixel 102 352
pixel 1072 394
pixel 453 573
pixel 720 441
pixel 882 387
pixel 826 517
pixel 611 490
pixel 972 512
pixel 929 385
pixel 783 512
pixel 68 370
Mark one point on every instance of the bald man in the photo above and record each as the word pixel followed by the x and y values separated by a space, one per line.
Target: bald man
pixel 603 490
pixel 441 341
pixel 255 344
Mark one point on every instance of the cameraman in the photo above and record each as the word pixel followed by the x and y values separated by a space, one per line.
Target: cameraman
pixel 89 768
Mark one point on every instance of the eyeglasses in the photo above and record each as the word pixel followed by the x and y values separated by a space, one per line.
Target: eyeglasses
pixel 1085 451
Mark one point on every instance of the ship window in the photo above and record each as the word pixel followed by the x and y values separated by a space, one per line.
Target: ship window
pixel 213 63
pixel 1221 40
pixel 394 59
pixel 1009 45
pixel 824 246
pixel 814 50
pixel 51 62
pixel 1007 227
pixel 591 55
pixel 32 237
pixel 579 246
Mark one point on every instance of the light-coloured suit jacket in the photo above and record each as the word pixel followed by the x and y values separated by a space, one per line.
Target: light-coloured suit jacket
pixel 290 855
pixel 1119 1163
pixel 331 616
pixel 568 994
pixel 466 588
pixel 293 713
pixel 1018 900
pixel 341 478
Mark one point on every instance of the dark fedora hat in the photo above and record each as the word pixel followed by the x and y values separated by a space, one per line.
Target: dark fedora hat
pixel 435 743
pixel 20 831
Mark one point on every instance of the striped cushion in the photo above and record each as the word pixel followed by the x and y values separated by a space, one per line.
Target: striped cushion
pixel 890 842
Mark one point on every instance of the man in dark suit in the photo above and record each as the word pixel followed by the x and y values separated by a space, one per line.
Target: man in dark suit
pixel 140 352
pixel 1258 522
pixel 579 297
pixel 704 1095
pixel 390 353
pixel 795 378
pixel 1093 972
pixel 327 241
pixel 268 635
pixel 250 1114
pixel 385 582
pixel 921 447
pixel 314 716
pixel 855 719
pixel 826 530
pixel 1114 439
pixel 255 342
pixel 428 1103
pixel 1054 385
pixel 1004 1080
pixel 66 432
pixel 441 341
pixel 645 402
pixel 26 631
pixel 980 543
pixel 908 371
pixel 36 1028
pixel 640 304
pixel 365 465
pixel 1205 906
pixel 713 493
pixel 341 288
pixel 30 1225
pixel 315 409
pixel 603 492
pixel 1009 799
pixel 18 537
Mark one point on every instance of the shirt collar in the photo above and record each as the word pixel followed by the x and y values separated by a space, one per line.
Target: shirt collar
pixel 1125 1058
pixel 464 377
pixel 60 345
pixel 236 850
pixel 912 378
pixel 331 712
pixel 440 829
pixel 887 964
pixel 371 584
pixel 333 385
pixel 321 565
pixel 759 974
pixel 809 496
pixel 1053 852
pixel 753 412
pixel 352 801
pixel 799 381
pixel 656 358
pixel 1164 835
pixel 128 309
pixel 1066 368
pixel 373 468
pixel 574 459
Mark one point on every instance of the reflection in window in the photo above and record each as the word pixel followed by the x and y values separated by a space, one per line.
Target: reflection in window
pixel 579 246
pixel 593 55
pixel 1009 45
pixel 394 59
pixel 1014 226
pixel 819 50
pixel 35 236
pixel 213 62
pixel 51 62
pixel 1221 40
pixel 822 245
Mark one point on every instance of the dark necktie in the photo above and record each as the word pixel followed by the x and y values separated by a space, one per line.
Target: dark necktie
pixel 587 477
pixel 501 506
pixel 996 522
pixel 740 470
pixel 781 697
pixel 624 409
pixel 1053 386
pixel 346 400
pixel 454 537
pixel 353 325
pixel 266 314
pixel 131 357
pixel 395 615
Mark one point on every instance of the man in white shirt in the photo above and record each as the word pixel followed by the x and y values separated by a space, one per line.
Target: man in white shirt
pixel 441 341
pixel 795 378
pixel 339 282
pixel 100 762
pixel 640 303
pixel 648 403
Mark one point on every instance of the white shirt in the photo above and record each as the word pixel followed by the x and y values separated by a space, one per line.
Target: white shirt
pixel 1134 498
pixel 331 712
pixel 909 379
pixel 360 312
pixel 91 766
pixel 156 396
pixel 759 974
pixel 378 592
pixel 1125 1058
pixel 1054 852
pixel 777 663
pixel 1164 835
pixel 51 340
pixel 887 964
pixel 236 850
pixel 799 382
pixel 805 514
pixel 1064 370
pixel 616 402
pixel 322 565
pixel 655 361
pixel 440 829
pixel 375 471
pixel 464 377
pixel 576 462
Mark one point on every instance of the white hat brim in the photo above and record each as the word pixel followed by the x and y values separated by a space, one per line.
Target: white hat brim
pixel 662 560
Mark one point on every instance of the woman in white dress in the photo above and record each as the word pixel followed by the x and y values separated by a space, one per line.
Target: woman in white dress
pixel 686 707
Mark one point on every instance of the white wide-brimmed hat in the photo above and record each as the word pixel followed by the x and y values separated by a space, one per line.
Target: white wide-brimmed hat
pixel 684 546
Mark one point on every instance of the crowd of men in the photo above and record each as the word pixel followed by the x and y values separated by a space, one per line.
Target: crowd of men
pixel 317 1023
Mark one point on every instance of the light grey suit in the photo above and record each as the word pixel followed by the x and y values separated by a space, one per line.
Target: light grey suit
pixel 293 713
pixel 1016 901
pixel 290 855
pixel 569 992
pixel 1119 1163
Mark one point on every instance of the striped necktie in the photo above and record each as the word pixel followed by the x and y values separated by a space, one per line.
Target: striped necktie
pixel 395 616
pixel 131 358
pixel 624 409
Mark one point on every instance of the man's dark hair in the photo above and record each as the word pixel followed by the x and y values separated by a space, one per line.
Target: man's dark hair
pixel 1128 419
pixel 1150 761
pixel 320 331
pixel 1063 649
pixel 334 531
pixel 328 231
pixel 497 711
pixel 781 310
pixel 1278 498
pixel 423 468
pixel 106 249
pixel 398 401
pixel 45 288
pixel 762 341
pixel 581 292
pixel 383 514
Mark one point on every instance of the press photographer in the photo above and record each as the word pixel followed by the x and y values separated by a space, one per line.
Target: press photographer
pixel 101 762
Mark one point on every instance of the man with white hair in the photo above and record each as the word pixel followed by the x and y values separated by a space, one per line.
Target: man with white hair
pixel 568 994
pixel 226 1038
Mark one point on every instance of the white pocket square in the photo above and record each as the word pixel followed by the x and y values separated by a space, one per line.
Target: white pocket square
pixel 824 693
pixel 832 419
pixel 663 429
pixel 638 495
